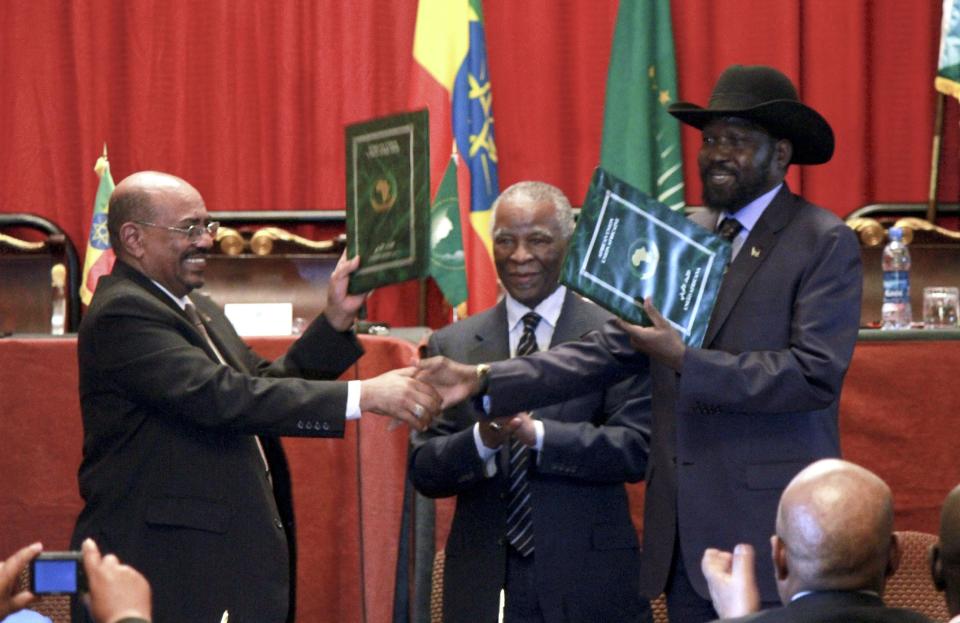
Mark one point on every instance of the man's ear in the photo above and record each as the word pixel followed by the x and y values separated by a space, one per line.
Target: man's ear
pixel 782 153
pixel 778 552
pixel 936 567
pixel 131 238
pixel 893 558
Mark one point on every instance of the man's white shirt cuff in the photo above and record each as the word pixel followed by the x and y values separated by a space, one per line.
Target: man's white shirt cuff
pixel 353 400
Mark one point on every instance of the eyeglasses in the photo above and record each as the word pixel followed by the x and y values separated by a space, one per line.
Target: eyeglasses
pixel 194 232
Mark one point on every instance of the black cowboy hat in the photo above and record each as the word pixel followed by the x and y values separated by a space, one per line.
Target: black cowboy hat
pixel 766 97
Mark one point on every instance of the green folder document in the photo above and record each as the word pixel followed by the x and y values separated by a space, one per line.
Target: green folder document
pixel 388 199
pixel 627 246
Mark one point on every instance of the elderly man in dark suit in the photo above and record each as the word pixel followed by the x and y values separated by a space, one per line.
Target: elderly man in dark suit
pixel 552 527
pixel 833 551
pixel 738 417
pixel 183 476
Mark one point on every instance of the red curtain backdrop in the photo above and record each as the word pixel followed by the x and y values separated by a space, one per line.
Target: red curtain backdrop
pixel 248 99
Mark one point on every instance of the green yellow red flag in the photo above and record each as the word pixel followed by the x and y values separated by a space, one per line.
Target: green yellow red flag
pixel 99 257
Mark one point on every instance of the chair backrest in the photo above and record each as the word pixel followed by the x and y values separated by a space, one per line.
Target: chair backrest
pixel 54 607
pixel 911 586
pixel 29 248
pixel 658 608
pixel 436 588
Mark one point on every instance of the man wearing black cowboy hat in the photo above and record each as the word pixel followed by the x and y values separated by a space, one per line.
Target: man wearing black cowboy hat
pixel 734 420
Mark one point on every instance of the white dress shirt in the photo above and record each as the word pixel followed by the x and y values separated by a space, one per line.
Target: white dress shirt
pixel 748 216
pixel 549 311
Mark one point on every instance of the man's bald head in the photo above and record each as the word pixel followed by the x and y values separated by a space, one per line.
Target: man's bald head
pixel 160 227
pixel 137 198
pixel 834 530
pixel 945 557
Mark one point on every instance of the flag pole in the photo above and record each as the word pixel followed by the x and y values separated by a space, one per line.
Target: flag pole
pixel 935 161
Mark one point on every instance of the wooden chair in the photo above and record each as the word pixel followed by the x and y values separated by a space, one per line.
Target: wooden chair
pixel 29 249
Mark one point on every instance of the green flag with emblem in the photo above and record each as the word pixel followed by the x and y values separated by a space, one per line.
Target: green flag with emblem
pixel 641 141
pixel 446 240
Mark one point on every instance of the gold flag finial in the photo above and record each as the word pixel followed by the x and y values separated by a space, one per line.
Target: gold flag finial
pixel 102 163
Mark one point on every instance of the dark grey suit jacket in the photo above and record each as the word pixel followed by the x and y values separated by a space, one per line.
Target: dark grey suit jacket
pixel 749 409
pixel 834 607
pixel 172 479
pixel 586 560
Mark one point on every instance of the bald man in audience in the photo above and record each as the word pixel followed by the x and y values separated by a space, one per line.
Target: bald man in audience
pixel 945 555
pixel 833 551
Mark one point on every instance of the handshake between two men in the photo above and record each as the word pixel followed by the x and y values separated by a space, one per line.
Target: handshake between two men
pixel 439 383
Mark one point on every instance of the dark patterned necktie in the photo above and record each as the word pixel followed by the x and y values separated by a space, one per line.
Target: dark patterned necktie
pixel 519 511
pixel 194 317
pixel 729 229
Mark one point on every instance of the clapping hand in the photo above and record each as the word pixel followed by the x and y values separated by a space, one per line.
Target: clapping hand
pixel 732 580
pixel 497 431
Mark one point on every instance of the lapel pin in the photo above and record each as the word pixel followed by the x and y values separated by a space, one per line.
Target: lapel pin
pixel 754 252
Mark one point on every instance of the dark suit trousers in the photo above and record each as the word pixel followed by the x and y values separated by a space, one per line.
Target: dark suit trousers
pixel 521 604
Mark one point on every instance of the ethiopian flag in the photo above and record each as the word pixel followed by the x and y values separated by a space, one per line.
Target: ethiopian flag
pixel 948 67
pixel 99 257
pixel 641 141
pixel 450 77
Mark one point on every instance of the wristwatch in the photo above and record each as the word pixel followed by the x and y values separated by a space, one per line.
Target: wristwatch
pixel 483 378
pixel 481 401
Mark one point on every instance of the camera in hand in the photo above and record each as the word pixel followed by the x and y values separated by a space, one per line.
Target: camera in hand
pixel 57 573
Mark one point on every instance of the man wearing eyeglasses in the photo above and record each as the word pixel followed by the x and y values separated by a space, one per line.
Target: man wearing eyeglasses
pixel 183 476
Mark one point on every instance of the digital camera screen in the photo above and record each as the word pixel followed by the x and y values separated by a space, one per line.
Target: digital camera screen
pixel 55 576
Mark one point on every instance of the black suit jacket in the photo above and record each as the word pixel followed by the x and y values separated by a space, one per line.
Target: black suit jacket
pixel 834 607
pixel 172 479
pixel 586 560
pixel 749 409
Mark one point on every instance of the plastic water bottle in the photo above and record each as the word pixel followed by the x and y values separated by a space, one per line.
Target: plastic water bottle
pixel 58 311
pixel 896 312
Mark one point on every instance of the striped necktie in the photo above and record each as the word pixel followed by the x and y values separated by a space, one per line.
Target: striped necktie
pixel 519 511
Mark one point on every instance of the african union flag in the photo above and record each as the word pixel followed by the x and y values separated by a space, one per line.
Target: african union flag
pixel 99 258
pixel 451 78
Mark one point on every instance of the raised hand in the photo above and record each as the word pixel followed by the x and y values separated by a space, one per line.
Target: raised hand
pixel 660 342
pixel 116 591
pixel 454 381
pixel 10 599
pixel 732 580
pixel 342 308
pixel 401 396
